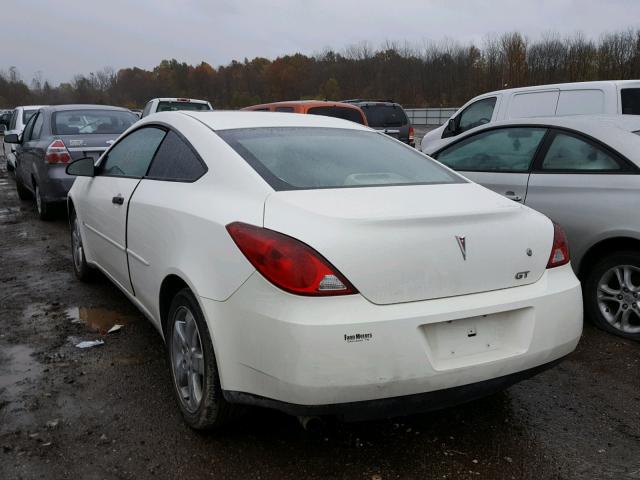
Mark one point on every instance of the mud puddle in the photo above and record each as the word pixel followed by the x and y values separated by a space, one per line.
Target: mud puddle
pixel 17 367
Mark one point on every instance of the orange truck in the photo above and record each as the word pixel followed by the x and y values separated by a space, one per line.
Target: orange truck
pixel 315 107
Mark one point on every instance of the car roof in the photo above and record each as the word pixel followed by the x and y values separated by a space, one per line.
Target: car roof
pixel 227 120
pixel 79 106
pixel 613 130
pixel 179 99
pixel 568 86
pixel 312 103
pixel 30 107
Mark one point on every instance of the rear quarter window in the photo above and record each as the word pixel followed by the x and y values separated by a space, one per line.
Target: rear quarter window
pixel 175 161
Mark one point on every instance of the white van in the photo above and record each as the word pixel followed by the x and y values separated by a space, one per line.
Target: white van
pixel 580 98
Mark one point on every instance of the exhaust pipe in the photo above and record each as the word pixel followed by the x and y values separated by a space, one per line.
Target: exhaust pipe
pixel 311 424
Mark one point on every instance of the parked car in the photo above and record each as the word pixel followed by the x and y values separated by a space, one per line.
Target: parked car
pixel 620 97
pixel 19 118
pixel 315 266
pixel 52 138
pixel 315 107
pixel 388 117
pixel 172 104
pixel 584 173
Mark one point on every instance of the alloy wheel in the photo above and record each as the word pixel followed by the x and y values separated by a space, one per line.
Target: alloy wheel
pixel 619 298
pixel 76 245
pixel 187 359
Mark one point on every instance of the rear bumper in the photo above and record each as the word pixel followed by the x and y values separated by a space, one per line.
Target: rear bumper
pixel 57 184
pixel 394 406
pixel 304 354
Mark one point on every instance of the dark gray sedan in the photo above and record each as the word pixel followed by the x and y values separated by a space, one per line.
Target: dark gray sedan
pixel 54 137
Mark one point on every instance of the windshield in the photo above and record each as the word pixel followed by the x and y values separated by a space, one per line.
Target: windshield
pixel 630 101
pixel 81 122
pixel 291 158
pixel 339 112
pixel 27 114
pixel 173 106
pixel 384 115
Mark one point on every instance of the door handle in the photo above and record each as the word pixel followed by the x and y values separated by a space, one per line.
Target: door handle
pixel 118 199
pixel 512 196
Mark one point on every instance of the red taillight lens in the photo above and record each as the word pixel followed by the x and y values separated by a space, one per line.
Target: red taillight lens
pixel 411 134
pixel 288 263
pixel 560 249
pixel 57 153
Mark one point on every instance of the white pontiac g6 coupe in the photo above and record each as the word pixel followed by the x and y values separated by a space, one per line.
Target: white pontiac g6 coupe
pixel 319 267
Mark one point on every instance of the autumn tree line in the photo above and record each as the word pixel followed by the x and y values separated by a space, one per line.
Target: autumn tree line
pixel 440 74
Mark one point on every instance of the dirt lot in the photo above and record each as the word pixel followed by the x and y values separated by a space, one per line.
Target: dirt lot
pixel 108 412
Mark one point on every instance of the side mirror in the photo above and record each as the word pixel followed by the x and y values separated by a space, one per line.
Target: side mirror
pixel 12 138
pixel 83 167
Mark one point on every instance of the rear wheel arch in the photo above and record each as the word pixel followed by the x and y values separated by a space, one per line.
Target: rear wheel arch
pixel 170 286
pixel 603 248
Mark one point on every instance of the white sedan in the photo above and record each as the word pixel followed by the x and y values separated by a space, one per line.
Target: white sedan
pixel 319 267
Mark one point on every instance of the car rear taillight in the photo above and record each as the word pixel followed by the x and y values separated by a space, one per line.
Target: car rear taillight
pixel 57 153
pixel 560 249
pixel 411 135
pixel 288 263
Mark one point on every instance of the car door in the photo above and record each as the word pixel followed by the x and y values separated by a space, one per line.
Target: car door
pixel 499 159
pixel 24 154
pixel 104 201
pixel 155 212
pixel 589 189
pixel 478 113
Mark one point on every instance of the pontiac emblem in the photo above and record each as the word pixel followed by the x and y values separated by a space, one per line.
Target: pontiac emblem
pixel 462 243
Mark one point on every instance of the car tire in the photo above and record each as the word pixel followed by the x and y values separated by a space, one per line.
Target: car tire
pixel 9 167
pixel 194 371
pixel 43 208
pixel 84 272
pixel 611 293
pixel 23 193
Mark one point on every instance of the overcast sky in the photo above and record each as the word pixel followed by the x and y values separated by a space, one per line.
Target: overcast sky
pixel 64 37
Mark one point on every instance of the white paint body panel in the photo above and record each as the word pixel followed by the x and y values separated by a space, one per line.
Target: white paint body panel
pixel 292 348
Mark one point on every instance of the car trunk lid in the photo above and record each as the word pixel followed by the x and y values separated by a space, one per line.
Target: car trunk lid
pixel 92 145
pixel 407 243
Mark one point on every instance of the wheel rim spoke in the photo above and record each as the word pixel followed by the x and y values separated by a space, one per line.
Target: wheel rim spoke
pixel 187 359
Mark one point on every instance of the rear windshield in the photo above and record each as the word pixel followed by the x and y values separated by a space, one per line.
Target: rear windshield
pixel 339 112
pixel 630 101
pixel 292 158
pixel 83 122
pixel 27 114
pixel 173 106
pixel 384 115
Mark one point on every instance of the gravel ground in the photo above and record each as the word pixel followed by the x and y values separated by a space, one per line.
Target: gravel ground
pixel 108 412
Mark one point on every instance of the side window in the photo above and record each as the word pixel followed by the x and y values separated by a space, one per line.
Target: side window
pixel 37 127
pixel 503 150
pixel 569 152
pixel 147 107
pixel 131 156
pixel 14 119
pixel 284 109
pixel 476 114
pixel 26 133
pixel 175 161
